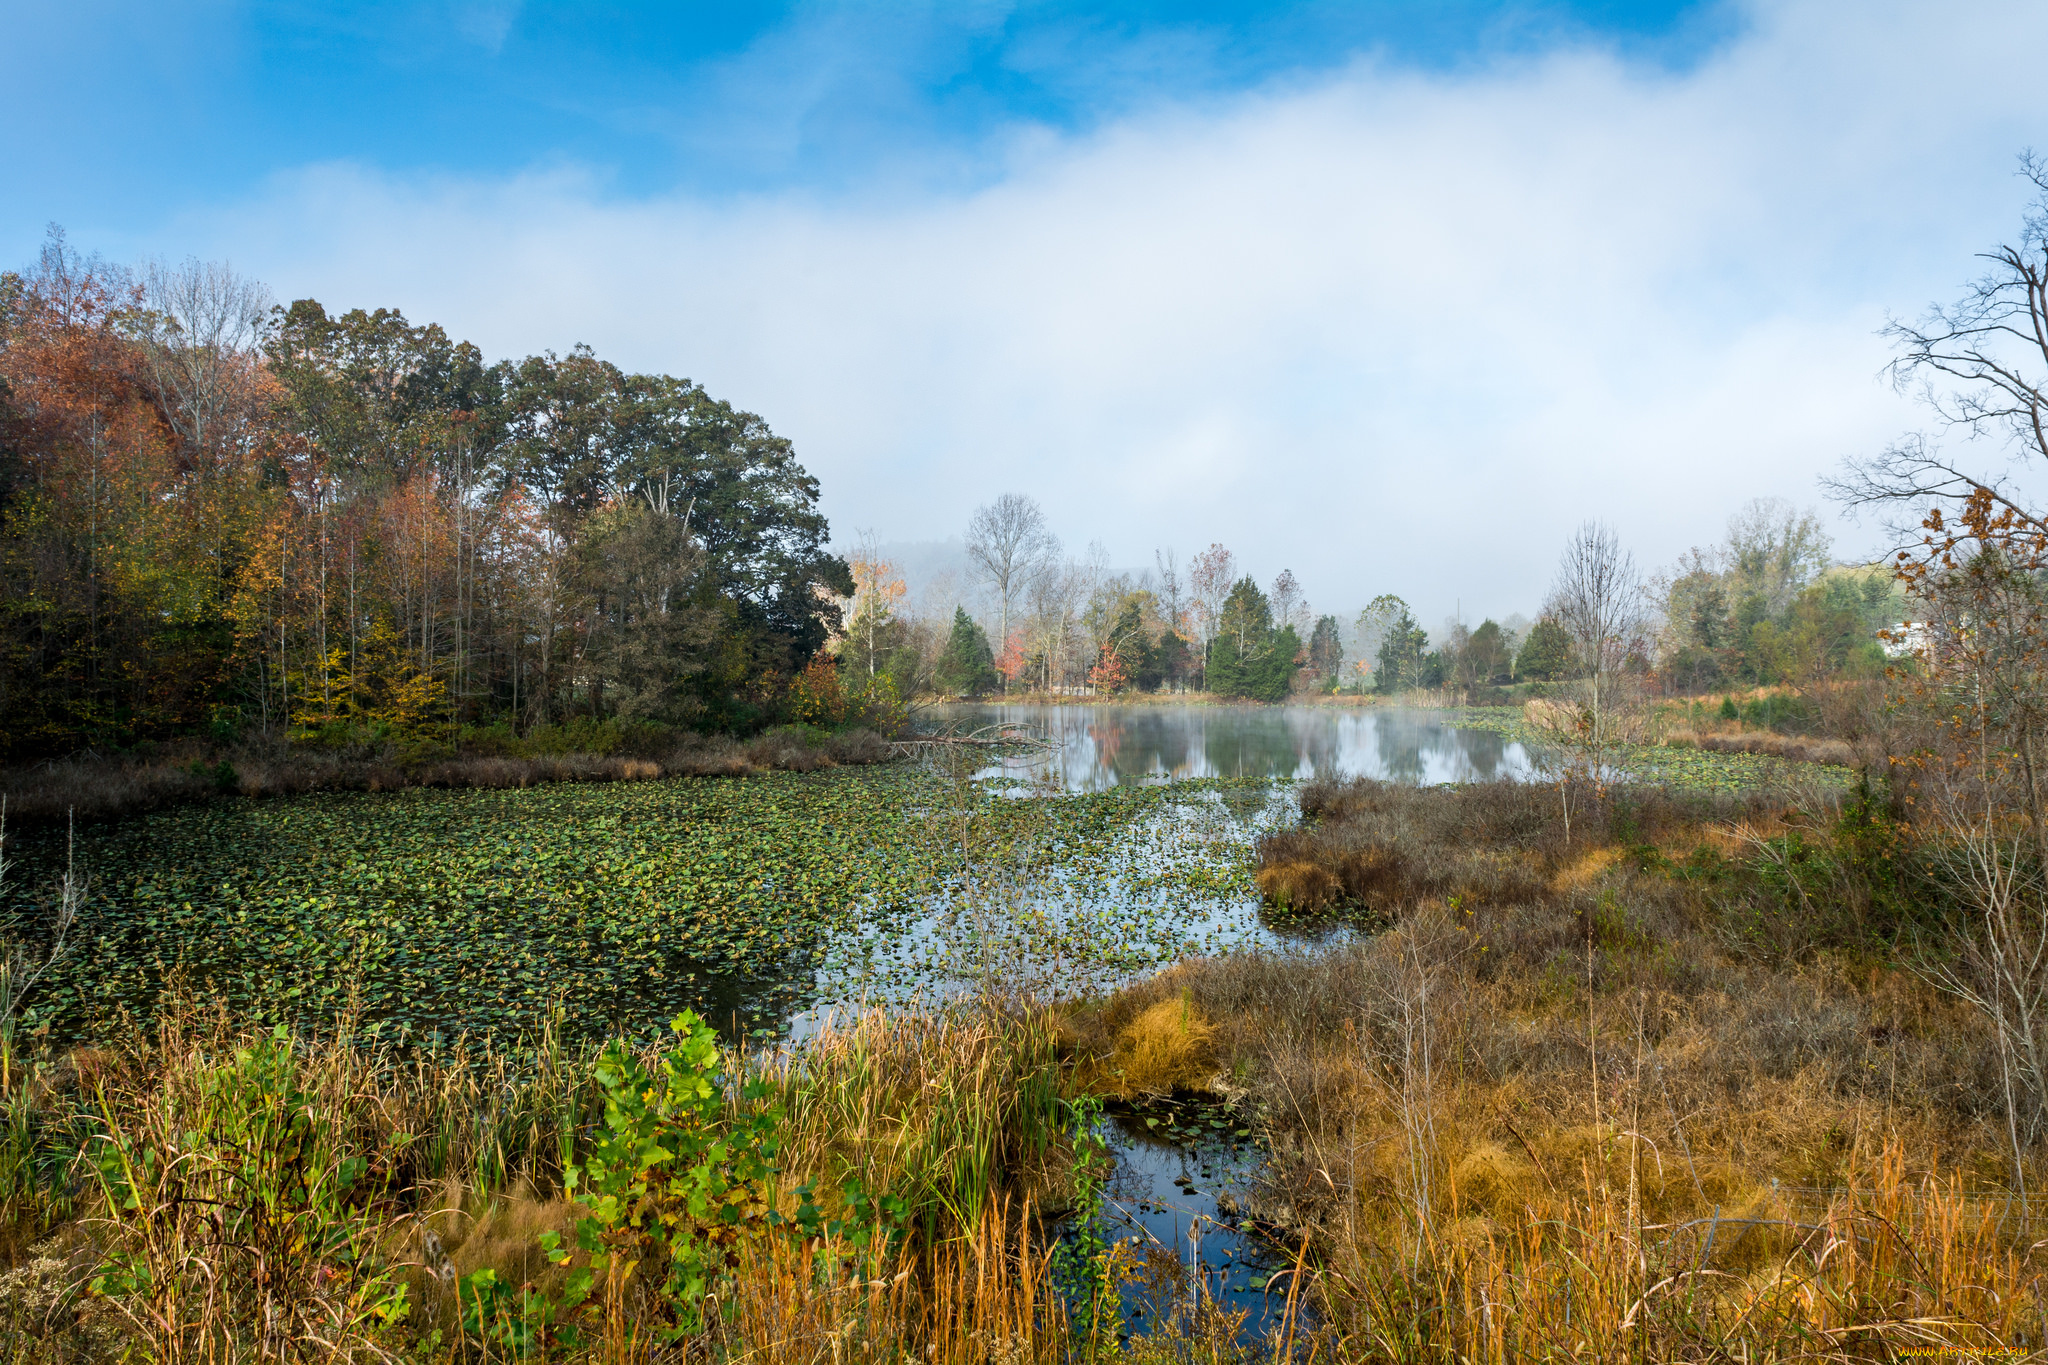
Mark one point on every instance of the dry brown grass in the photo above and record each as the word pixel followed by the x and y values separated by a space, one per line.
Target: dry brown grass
pixel 1798 748
pixel 1157 1046
pixel 1505 1122
pixel 986 1297
pixel 235 1144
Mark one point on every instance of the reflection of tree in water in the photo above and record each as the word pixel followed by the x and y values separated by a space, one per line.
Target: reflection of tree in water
pixel 1317 742
pixel 1101 747
pixel 1401 743
pixel 1417 750
pixel 1241 742
pixel 1485 754
pixel 1142 743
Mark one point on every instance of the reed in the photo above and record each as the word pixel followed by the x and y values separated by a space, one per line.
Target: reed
pixel 947 1109
pixel 232 1193
pixel 1892 1265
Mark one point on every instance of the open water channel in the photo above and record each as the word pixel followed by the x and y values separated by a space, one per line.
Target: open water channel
pixel 1184 1167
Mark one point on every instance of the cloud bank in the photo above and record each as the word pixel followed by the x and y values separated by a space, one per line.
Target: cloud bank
pixel 1395 331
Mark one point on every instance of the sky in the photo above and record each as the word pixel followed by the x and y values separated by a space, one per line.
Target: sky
pixel 1390 295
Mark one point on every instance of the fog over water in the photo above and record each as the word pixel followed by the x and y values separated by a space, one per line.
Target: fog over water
pixel 1098 747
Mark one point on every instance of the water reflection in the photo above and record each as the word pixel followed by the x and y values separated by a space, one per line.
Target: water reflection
pixel 1098 747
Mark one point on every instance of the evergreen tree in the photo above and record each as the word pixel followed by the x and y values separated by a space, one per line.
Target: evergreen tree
pixel 1176 659
pixel 967 666
pixel 1547 654
pixel 1248 658
pixel 1401 662
pixel 1326 652
pixel 1486 656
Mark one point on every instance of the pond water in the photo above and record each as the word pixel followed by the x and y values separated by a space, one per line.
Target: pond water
pixel 1098 747
pixel 757 902
pixel 1185 1166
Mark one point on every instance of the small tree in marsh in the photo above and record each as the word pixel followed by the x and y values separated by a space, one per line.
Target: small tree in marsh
pixel 1597 601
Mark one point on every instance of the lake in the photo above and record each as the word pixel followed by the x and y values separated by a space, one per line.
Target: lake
pixel 1099 747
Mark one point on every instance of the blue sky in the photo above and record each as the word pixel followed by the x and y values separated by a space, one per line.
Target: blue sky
pixel 1389 295
pixel 123 111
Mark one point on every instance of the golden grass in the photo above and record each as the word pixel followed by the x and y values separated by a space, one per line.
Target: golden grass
pixel 1299 885
pixel 1167 1046
pixel 985 1297
pixel 1570 1106
pixel 278 1190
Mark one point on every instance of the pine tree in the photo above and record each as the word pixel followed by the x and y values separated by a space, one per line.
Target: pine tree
pixel 1248 658
pixel 1547 654
pixel 967 666
pixel 1401 662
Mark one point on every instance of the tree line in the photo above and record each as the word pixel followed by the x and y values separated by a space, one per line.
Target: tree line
pixel 1072 624
pixel 218 514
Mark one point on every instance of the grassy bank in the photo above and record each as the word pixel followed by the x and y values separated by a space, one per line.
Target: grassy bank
pixel 93 786
pixel 1682 1087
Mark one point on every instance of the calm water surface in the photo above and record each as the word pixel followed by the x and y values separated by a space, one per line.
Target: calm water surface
pixel 1098 747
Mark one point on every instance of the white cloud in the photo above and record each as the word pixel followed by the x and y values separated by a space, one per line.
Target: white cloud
pixel 1394 331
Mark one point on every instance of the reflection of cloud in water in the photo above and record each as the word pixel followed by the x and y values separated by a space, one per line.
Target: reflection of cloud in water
pixel 1101 746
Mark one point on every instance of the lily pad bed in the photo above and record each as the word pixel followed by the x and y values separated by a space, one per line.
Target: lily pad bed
pixel 444 913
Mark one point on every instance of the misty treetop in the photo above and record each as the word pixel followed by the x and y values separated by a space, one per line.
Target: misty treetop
pixel 217 514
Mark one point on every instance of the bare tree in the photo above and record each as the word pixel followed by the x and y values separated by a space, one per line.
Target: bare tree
pixel 1171 605
pixel 204 322
pixel 1981 366
pixel 1011 548
pixel 1972 548
pixel 1057 596
pixel 1290 605
pixel 1210 576
pixel 1598 599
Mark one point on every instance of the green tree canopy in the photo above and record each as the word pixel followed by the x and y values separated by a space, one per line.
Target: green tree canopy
pixel 1401 660
pixel 967 666
pixel 1547 654
pixel 1486 654
pixel 1248 658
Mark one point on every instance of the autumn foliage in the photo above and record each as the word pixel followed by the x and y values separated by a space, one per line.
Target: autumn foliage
pixel 218 516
